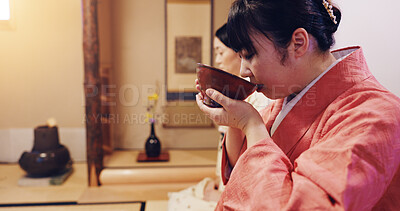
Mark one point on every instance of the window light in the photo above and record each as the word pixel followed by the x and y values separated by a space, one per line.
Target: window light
pixel 4 9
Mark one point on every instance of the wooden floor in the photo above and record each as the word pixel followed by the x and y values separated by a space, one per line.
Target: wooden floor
pixel 75 194
pixel 86 207
pixel 70 191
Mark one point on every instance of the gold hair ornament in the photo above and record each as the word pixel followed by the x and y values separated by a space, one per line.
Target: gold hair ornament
pixel 328 8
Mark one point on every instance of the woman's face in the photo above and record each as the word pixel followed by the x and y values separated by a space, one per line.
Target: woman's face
pixel 226 58
pixel 266 68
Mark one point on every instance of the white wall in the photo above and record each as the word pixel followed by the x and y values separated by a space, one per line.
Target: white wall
pixel 138 57
pixel 41 65
pixel 374 25
pixel 15 141
pixel 41 76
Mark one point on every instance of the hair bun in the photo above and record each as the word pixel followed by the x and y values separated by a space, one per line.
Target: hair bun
pixel 338 16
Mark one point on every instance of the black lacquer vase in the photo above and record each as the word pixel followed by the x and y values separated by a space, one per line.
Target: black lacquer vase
pixel 48 157
pixel 153 145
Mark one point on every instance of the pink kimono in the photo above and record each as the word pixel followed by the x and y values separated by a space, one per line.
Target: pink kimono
pixel 337 149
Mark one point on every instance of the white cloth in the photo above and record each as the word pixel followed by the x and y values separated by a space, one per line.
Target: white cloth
pixel 191 198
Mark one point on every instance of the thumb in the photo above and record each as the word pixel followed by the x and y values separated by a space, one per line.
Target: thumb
pixel 218 97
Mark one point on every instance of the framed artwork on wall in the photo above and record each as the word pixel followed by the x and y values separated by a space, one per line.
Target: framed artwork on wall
pixel 187 53
pixel 188 42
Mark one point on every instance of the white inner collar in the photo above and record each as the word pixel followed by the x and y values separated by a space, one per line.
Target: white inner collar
pixel 287 106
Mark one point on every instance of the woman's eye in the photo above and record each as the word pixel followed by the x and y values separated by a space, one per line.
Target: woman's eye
pixel 248 57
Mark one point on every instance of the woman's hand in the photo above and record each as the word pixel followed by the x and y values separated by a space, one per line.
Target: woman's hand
pixel 243 119
pixel 234 113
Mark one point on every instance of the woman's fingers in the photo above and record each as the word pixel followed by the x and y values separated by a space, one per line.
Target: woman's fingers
pixel 218 115
pixel 197 85
pixel 218 97
pixel 202 106
pixel 198 88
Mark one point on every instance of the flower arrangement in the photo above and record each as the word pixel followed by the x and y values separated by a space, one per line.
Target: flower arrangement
pixel 151 107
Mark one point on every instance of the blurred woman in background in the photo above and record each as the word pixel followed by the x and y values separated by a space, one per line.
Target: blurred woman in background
pixel 205 194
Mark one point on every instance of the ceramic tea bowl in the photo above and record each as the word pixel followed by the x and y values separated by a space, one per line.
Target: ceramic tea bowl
pixel 228 84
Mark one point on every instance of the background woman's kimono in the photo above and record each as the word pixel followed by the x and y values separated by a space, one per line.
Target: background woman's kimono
pixel 192 198
pixel 338 148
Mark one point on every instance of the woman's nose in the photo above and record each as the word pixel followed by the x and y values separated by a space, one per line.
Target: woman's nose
pixel 218 60
pixel 244 70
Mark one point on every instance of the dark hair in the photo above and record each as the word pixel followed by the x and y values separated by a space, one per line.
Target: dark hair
pixel 222 35
pixel 277 20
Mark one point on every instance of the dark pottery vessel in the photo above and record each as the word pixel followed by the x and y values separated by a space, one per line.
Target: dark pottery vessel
pixel 153 145
pixel 228 84
pixel 48 157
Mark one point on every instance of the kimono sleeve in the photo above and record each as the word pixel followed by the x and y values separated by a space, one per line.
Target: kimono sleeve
pixel 226 168
pixel 348 168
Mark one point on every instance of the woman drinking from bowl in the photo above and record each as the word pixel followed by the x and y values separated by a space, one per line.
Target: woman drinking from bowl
pixel 331 140
pixel 228 60
pixel 205 194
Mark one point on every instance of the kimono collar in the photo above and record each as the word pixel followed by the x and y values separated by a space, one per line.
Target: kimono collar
pixel 345 74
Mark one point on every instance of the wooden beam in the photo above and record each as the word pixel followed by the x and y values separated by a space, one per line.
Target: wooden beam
pixel 92 91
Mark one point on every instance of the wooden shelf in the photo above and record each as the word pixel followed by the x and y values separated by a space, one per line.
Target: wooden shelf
pixel 178 158
pixel 184 166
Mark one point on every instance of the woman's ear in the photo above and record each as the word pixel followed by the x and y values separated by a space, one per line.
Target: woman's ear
pixel 300 42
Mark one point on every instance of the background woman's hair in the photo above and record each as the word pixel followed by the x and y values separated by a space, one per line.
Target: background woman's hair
pixel 222 35
pixel 277 20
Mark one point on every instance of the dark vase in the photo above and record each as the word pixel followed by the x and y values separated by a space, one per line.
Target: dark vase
pixel 153 145
pixel 48 157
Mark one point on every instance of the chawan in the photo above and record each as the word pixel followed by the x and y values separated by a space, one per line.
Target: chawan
pixel 228 84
